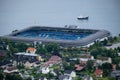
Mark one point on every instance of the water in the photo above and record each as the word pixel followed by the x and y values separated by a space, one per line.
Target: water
pixel 19 14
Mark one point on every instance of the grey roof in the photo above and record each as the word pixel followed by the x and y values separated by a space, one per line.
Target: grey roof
pixel 97 34
pixel 3 53
pixel 115 73
pixel 68 71
pixel 62 77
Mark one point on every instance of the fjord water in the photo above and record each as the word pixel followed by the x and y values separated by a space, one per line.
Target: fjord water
pixel 20 14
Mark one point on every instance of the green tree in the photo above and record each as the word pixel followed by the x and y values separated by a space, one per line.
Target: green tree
pixel 104 42
pixel 52 48
pixel 1 76
pixel 21 46
pixel 13 77
pixel 116 60
pixel 90 65
pixel 40 49
pixel 107 67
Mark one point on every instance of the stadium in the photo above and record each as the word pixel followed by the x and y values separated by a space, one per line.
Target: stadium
pixel 65 36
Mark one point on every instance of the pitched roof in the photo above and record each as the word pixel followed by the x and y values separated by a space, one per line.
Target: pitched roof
pixel 78 67
pixel 25 54
pixel 85 55
pixel 31 49
pixel 55 58
pixel 68 71
pixel 62 77
pixel 103 58
pixel 98 72
pixel 11 68
pixel 3 53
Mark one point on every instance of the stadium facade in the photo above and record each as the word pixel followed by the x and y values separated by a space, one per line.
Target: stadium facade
pixel 65 36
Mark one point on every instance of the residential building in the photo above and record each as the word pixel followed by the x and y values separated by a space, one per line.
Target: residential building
pixel 102 60
pixel 45 70
pixel 28 65
pixel 53 60
pixel 98 73
pixel 65 77
pixel 114 66
pixel 85 57
pixel 78 67
pixel 115 73
pixel 3 53
pixel 31 50
pixel 11 69
pixel 24 57
pixel 119 54
pixel 70 73
pixel 87 77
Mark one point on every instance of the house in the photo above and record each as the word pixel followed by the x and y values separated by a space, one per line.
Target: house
pixel 70 73
pixel 11 69
pixel 42 78
pixel 28 65
pixel 119 64
pixel 31 50
pixel 98 72
pixel 45 70
pixel 65 77
pixel 79 68
pixel 53 60
pixel 102 60
pixel 3 64
pixel 85 57
pixel 88 77
pixel 53 72
pixel 3 53
pixel 114 66
pixel 3 45
pixel 23 57
pixel 115 73
pixel 39 58
pixel 119 54
pixel 56 59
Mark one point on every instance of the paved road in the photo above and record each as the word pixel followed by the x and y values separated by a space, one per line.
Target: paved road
pixel 113 46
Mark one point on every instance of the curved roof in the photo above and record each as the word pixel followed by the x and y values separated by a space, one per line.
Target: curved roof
pixel 96 35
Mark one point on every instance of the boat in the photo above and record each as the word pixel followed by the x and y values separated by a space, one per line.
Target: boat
pixel 82 17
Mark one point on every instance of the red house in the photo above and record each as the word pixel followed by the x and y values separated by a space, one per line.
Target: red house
pixel 98 72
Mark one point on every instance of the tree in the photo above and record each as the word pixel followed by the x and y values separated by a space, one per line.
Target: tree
pixel 1 76
pixel 105 42
pixel 40 49
pixel 119 35
pixel 89 65
pixel 116 60
pixel 29 78
pixel 107 67
pixel 94 52
pixel 52 48
pixel 13 77
pixel 21 46
pixel 12 50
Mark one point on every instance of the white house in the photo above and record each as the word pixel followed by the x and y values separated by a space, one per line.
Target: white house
pixel 45 70
pixel 87 78
pixel 102 60
pixel 85 57
pixel 11 69
pixel 28 65
pixel 119 54
pixel 70 73
pixel 65 77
